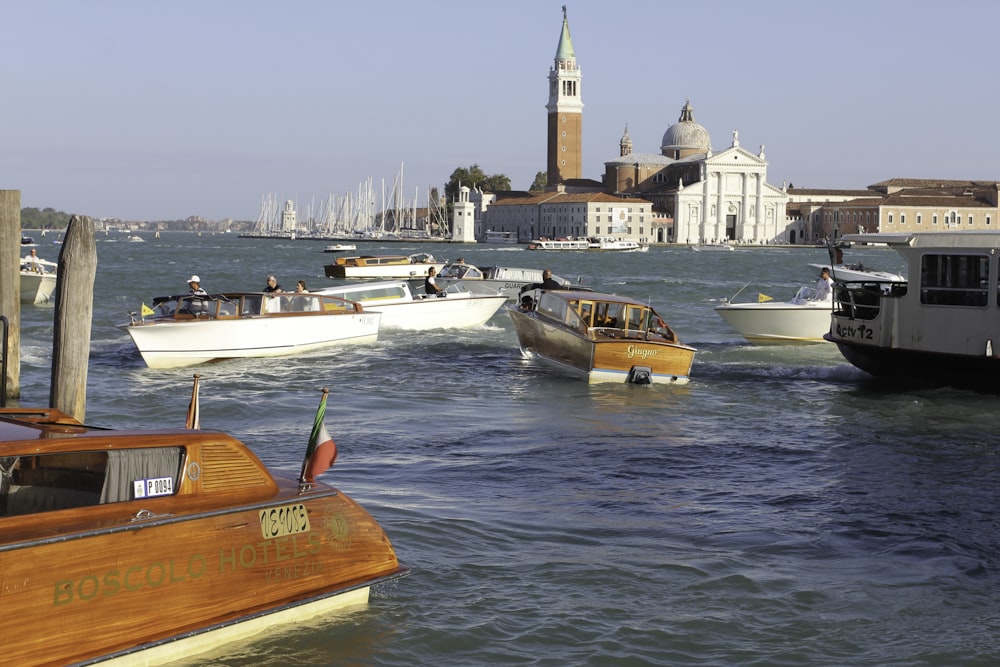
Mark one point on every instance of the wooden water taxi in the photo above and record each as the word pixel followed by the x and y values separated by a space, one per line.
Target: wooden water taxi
pixel 383 266
pixel 190 329
pixel 600 337
pixel 939 327
pixel 141 547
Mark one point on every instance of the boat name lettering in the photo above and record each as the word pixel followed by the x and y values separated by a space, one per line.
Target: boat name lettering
pixel 284 520
pixel 641 352
pixel 859 332
pixel 270 551
pixel 292 571
pixel 136 577
pixel 158 486
pixel 276 553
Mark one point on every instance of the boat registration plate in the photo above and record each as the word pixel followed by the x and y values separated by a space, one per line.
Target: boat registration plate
pixel 157 486
pixel 284 520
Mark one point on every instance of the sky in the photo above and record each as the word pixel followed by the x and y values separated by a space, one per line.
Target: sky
pixel 164 110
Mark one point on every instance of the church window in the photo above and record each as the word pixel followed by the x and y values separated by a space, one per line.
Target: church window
pixel 920 219
pixel 934 219
pixel 890 218
pixel 902 218
pixel 970 219
pixel 988 219
pixel 564 133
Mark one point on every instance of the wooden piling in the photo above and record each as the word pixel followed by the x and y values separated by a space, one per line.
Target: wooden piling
pixel 74 312
pixel 10 285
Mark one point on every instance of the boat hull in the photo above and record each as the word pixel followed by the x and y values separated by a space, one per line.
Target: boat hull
pixel 600 359
pixel 37 288
pixel 778 323
pixel 180 574
pixel 181 343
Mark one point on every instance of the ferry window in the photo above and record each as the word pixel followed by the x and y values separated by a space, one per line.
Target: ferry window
pixel 954 280
pixel 48 482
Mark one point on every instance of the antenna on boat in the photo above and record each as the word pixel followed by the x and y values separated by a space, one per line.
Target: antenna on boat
pixel 729 300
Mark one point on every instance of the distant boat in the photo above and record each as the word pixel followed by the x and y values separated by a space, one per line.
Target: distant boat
pixel 340 247
pixel 27 240
pixel 188 330
pixel 618 245
pixel 383 266
pixel 500 237
pixel 559 244
pixel 136 238
pixel 712 247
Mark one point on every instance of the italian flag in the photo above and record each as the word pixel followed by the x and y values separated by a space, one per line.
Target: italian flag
pixel 322 450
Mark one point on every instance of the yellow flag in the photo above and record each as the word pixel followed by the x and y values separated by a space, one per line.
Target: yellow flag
pixel 146 310
pixel 761 298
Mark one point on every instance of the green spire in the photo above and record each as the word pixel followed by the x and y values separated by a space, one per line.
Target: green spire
pixel 565 50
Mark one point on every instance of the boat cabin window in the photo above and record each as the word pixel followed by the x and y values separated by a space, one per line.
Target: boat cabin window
pixel 954 280
pixel 375 293
pixel 636 318
pixel 228 309
pixel 46 482
pixel 250 306
pixel 609 315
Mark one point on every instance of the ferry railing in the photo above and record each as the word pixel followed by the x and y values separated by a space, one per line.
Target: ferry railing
pixel 863 301
pixel 3 362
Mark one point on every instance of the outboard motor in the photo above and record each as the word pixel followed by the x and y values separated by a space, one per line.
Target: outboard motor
pixel 640 375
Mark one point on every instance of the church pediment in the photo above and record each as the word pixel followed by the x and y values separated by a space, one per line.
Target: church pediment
pixel 735 156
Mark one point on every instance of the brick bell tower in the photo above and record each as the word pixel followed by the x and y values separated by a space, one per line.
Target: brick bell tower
pixel 565 137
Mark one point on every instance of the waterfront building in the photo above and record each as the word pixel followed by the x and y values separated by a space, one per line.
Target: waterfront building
pixel 701 196
pixel 573 215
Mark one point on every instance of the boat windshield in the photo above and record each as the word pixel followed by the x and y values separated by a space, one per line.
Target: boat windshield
pixel 45 482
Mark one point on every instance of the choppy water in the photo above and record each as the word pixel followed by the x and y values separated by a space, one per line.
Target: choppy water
pixel 781 509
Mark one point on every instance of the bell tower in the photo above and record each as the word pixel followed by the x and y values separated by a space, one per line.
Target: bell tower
pixel 565 136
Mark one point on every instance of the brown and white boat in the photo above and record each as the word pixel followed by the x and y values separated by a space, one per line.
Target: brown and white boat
pixel 600 337
pixel 137 547
pixel 384 267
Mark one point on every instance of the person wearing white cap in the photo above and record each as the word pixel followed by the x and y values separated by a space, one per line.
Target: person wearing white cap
pixel 194 282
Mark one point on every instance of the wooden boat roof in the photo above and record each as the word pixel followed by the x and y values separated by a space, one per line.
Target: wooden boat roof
pixel 587 295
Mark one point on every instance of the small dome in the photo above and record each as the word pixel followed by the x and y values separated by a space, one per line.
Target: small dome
pixel 685 137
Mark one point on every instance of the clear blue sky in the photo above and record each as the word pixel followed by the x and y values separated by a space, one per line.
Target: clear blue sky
pixel 162 110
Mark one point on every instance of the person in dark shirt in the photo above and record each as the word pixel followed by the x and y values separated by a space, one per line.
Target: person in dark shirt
pixel 272 285
pixel 431 288
pixel 548 282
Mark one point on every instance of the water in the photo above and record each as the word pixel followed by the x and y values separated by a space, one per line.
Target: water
pixel 781 509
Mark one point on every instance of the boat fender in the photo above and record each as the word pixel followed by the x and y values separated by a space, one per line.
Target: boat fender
pixel 640 375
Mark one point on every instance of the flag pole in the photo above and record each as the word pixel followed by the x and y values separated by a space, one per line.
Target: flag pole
pixel 194 409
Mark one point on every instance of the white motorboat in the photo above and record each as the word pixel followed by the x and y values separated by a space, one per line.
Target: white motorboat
pixel 941 326
pixel 802 320
pixel 383 266
pixel 38 280
pixel 600 337
pixel 402 309
pixel 506 280
pixel 620 245
pixel 340 247
pixel 187 330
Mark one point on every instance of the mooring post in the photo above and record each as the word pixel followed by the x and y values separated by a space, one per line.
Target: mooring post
pixel 10 285
pixel 73 314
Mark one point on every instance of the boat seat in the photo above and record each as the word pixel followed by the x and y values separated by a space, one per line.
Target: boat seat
pixel 32 499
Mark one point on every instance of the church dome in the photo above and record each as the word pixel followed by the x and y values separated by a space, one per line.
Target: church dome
pixel 685 137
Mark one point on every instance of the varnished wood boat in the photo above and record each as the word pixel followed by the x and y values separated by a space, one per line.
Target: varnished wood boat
pixel 600 337
pixel 383 266
pixel 137 547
